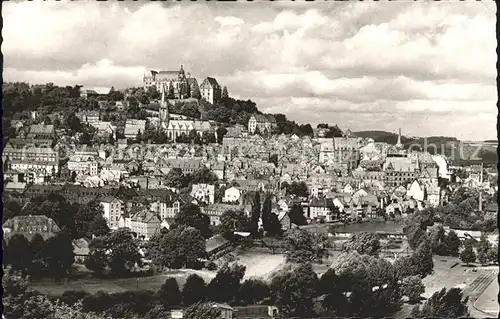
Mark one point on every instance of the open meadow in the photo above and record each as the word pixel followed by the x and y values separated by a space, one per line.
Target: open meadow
pixel 258 265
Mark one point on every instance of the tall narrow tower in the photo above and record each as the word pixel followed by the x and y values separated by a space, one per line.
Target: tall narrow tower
pixel 481 189
pixel 163 112
pixel 399 144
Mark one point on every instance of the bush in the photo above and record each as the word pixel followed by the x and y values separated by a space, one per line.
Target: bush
pixel 412 287
pixel 71 297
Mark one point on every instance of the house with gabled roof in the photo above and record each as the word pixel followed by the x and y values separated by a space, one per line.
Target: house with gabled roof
pixel 113 209
pixel 210 90
pixel 264 123
pixel 416 191
pixel 145 224
pixel 30 225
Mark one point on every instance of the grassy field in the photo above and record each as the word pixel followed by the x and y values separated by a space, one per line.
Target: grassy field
pixel 92 285
pixel 258 265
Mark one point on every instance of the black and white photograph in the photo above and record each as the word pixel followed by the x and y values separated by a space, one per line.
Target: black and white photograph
pixel 249 159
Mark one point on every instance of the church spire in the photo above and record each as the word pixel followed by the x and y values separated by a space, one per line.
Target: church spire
pixel 163 97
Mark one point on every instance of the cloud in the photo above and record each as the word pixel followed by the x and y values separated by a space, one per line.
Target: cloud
pixel 407 59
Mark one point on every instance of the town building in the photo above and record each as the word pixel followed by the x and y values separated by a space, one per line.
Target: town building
pixel 41 134
pixel 145 224
pixel 180 125
pixel 203 193
pixel 42 159
pixel 29 226
pixel 86 93
pixel 232 195
pixel 210 90
pixel 112 208
pixel 256 312
pixel 400 170
pixel 88 117
pixel 263 123
pixel 215 211
pixel 84 162
pixel 178 84
pixel 133 126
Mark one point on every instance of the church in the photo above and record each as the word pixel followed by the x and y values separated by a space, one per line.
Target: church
pixel 176 125
pixel 178 84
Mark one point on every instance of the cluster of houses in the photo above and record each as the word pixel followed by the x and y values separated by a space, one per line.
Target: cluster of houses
pixel 345 177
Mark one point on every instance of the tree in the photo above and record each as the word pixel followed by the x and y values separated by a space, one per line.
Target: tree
pixel 225 95
pixel 297 215
pixel 363 243
pixel 138 136
pixel 274 226
pixel 467 255
pixel 493 254
pixel 407 266
pixel 298 189
pixel 273 158
pixel 255 214
pixel 445 304
pixel 266 212
pixel 15 293
pixel 39 262
pixel 157 312
pixel 96 261
pixel 483 249
pixel 252 292
pixel 453 243
pixel 59 254
pixel 169 294
pixel 438 241
pixel 412 287
pixel 202 311
pixel 171 91
pixel 304 246
pixel 233 220
pixel 175 178
pixel 415 235
pixel 118 251
pixel 37 306
pixel 372 282
pixel 194 290
pixel 181 247
pixel 205 176
pixel 423 258
pixel 334 301
pixel 294 292
pixel 191 215
pixel 415 312
pixel 89 221
pixel 225 285
pixel 18 253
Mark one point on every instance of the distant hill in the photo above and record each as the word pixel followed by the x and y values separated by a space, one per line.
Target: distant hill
pixel 459 152
pixel 374 134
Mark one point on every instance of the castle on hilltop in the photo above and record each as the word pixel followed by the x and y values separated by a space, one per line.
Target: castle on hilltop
pixel 179 85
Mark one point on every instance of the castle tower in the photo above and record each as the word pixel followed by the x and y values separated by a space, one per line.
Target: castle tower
pixel 163 112
pixel 399 144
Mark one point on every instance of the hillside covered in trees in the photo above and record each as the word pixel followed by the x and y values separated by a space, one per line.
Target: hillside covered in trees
pixel 48 99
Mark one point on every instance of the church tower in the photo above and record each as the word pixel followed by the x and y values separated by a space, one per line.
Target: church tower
pixel 164 116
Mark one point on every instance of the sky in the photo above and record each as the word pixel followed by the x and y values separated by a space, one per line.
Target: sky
pixel 428 68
